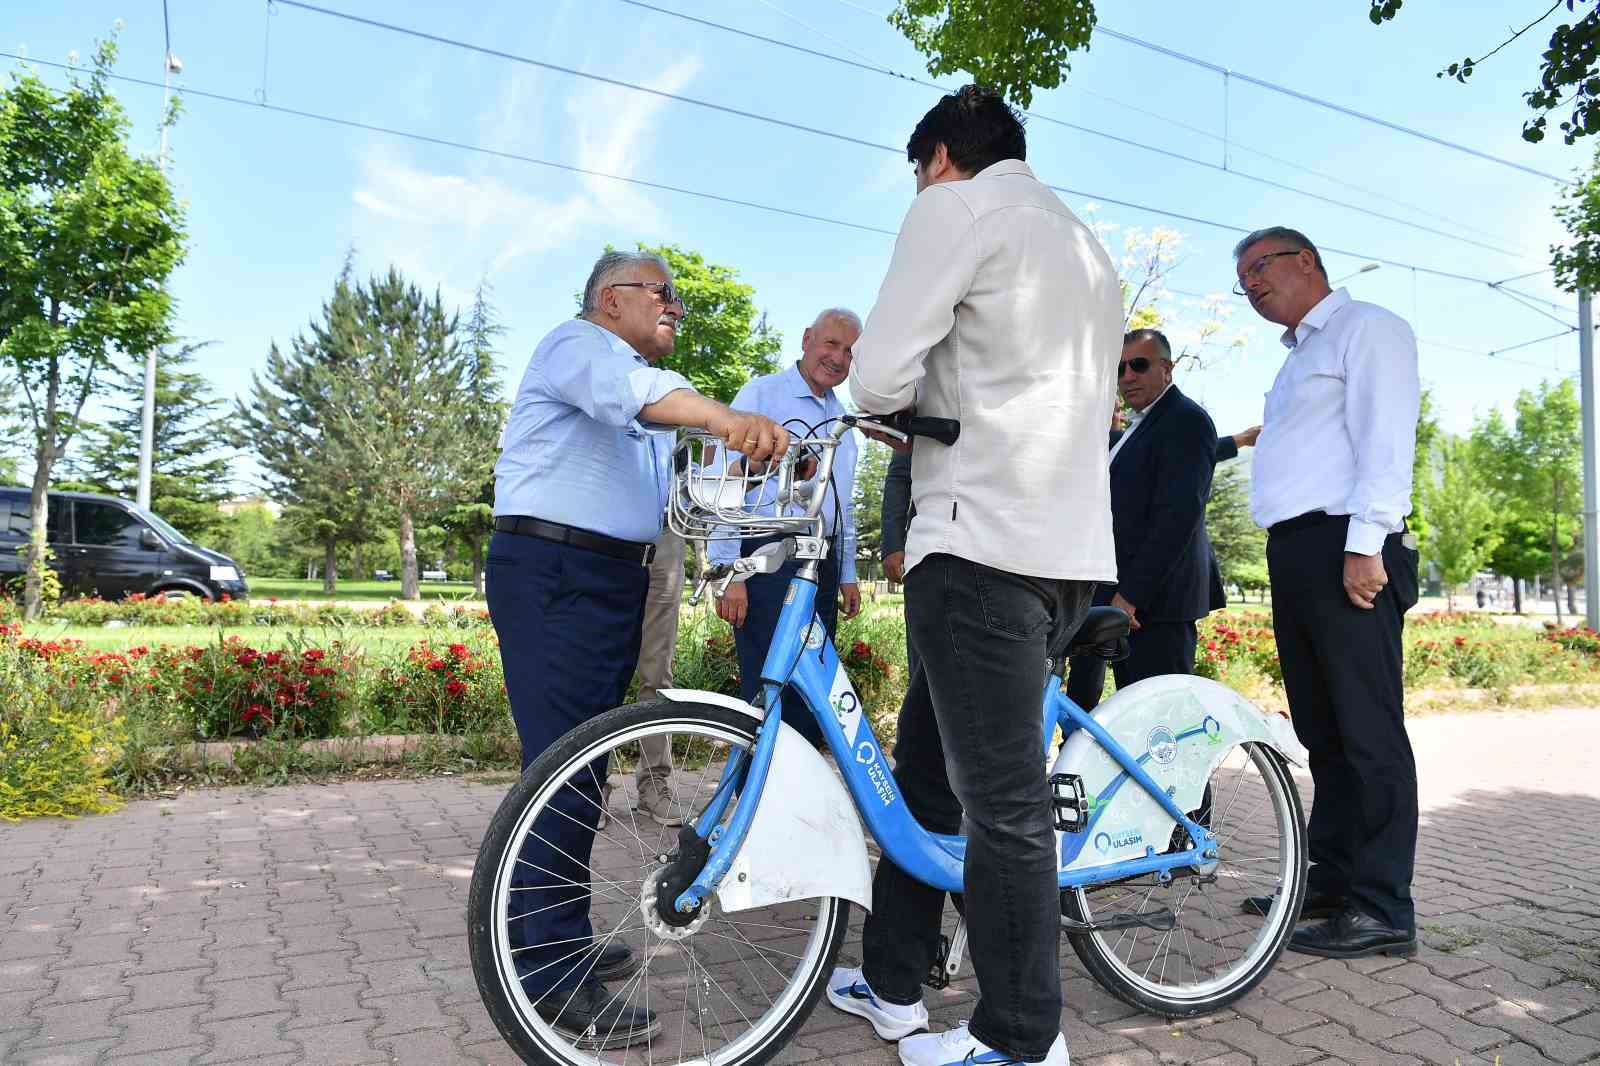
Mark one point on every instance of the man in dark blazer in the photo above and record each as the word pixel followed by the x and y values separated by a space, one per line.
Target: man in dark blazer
pixel 1167 576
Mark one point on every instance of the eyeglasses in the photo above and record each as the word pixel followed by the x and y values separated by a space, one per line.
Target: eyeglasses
pixel 1138 365
pixel 1256 269
pixel 661 290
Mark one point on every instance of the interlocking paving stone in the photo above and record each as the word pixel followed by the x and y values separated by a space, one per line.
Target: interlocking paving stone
pixel 326 925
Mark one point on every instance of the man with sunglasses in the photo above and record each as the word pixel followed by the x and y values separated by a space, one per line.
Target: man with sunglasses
pixel 1167 576
pixel 1332 487
pixel 580 490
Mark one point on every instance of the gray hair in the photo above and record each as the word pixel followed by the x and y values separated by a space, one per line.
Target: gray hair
pixel 1292 237
pixel 606 269
pixel 844 314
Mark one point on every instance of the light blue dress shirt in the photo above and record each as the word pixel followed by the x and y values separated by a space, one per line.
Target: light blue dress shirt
pixel 783 396
pixel 574 450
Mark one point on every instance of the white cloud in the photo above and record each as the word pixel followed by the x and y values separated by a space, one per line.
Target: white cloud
pixel 453 228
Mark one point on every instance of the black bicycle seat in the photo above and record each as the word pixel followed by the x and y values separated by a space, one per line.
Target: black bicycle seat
pixel 1103 626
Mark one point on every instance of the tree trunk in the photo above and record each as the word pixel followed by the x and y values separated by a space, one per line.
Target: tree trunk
pixel 358 567
pixel 1516 594
pixel 330 565
pixel 408 558
pixel 39 501
pixel 477 568
pixel 1449 597
pixel 1572 602
pixel 1555 569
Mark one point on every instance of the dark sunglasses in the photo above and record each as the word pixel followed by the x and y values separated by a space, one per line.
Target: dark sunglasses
pixel 661 290
pixel 1138 365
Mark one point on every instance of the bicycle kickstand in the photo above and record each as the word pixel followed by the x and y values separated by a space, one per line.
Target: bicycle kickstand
pixel 948 962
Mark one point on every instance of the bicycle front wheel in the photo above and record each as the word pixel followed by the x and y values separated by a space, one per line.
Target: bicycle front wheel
pixel 1230 919
pixel 570 952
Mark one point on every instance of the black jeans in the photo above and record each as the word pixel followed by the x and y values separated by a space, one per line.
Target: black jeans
pixel 971 744
pixel 1342 672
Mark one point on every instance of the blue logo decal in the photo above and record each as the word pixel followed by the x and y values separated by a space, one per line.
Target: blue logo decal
pixel 1162 744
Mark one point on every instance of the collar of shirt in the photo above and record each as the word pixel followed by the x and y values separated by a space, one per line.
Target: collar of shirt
pixel 1139 416
pixel 1316 318
pixel 801 388
pixel 1007 166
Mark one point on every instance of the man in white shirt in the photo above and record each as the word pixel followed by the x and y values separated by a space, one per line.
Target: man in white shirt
pixel 1001 310
pixel 799 397
pixel 1332 487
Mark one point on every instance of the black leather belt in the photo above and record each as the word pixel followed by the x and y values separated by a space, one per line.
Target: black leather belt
pixel 525 526
pixel 1304 521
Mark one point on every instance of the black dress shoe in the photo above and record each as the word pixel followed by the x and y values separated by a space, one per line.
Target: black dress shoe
pixel 1315 905
pixel 595 1021
pixel 616 961
pixel 1352 935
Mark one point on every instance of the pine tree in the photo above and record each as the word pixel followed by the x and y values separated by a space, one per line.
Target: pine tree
pixel 1240 545
pixel 288 423
pixel 471 521
pixel 188 476
pixel 397 405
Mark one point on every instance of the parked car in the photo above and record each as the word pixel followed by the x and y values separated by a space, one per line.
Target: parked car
pixel 113 548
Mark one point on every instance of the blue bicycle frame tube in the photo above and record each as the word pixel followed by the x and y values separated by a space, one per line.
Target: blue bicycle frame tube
pixel 934 859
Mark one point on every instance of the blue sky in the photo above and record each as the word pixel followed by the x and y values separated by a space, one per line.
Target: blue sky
pixel 274 201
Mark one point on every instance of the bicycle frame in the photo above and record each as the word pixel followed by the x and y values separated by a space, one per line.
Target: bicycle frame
pixel 802 655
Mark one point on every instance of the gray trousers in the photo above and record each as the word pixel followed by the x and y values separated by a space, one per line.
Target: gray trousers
pixel 657 643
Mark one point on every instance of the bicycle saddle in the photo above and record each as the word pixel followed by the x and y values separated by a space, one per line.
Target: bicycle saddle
pixel 1100 631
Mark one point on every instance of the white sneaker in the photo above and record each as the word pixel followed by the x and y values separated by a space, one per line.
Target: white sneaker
pixel 957 1047
pixel 848 991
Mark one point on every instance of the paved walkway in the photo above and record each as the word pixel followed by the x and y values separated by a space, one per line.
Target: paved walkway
pixel 325 925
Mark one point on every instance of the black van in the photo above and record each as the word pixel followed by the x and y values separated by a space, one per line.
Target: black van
pixel 112 548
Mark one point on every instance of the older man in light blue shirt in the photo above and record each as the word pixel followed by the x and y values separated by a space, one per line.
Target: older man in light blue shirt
pixel 580 489
pixel 801 398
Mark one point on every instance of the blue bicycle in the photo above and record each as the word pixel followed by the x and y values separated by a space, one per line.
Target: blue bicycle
pixel 1180 832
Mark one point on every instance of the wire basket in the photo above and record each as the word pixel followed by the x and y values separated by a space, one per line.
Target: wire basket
pixel 708 502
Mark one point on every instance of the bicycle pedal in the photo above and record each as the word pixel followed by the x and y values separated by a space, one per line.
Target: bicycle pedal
pixel 1069 804
pixel 937 978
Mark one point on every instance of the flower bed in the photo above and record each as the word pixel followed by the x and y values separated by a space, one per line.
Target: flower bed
pixel 137 610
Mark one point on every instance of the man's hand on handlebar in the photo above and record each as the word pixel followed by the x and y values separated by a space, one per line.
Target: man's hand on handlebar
pixel 756 437
pixel 895 443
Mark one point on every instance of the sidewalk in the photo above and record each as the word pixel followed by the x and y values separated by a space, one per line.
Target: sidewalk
pixel 324 925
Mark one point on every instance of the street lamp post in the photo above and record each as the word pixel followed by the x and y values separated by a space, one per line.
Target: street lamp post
pixel 147 420
pixel 1369 268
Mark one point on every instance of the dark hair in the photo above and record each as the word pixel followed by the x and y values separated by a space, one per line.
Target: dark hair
pixel 1296 240
pixel 975 125
pixel 1150 335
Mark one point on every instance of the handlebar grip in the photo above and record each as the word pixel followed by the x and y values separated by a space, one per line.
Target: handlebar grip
pixel 944 430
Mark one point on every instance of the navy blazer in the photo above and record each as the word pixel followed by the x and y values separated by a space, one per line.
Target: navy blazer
pixel 1160 482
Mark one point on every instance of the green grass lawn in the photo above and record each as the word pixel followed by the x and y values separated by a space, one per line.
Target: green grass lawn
pixel 277 588
pixel 370 638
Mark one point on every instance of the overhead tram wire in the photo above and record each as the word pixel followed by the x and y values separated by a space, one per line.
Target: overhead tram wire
pixel 661 186
pixel 1178 124
pixel 1141 146
pixel 717 197
pixel 1304 97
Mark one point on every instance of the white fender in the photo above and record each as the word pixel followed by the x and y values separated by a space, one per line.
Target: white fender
pixel 1183 727
pixel 806 837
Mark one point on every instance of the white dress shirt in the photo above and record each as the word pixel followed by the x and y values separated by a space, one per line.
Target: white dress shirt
pixel 1135 420
pixel 786 397
pixel 1001 309
pixel 1340 426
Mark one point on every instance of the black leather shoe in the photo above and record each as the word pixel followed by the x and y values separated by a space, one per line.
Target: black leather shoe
pixel 594 1021
pixel 1315 905
pixel 616 961
pixel 1352 935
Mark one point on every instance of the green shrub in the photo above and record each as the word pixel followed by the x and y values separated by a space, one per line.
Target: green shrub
pixel 450 688
pixel 57 737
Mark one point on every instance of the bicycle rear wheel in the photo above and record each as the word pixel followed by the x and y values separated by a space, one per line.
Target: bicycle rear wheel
pixel 726 989
pixel 1218 949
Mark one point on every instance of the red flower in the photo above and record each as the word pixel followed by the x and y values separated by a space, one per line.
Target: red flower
pixel 456 688
pixel 438 664
pixel 458 651
pixel 313 654
pixel 1461 642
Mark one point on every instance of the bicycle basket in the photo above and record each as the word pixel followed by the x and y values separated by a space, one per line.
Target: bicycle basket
pixel 708 502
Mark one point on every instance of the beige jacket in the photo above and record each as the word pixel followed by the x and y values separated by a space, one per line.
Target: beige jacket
pixel 1001 309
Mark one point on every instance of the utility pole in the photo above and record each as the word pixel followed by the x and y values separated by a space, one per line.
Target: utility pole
pixel 147 421
pixel 1591 490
